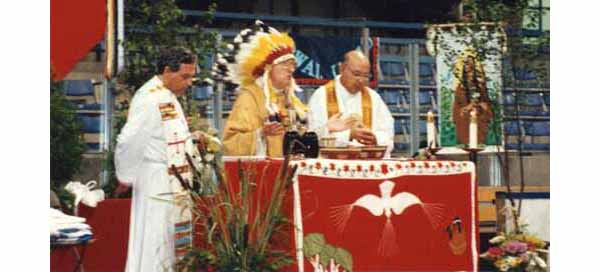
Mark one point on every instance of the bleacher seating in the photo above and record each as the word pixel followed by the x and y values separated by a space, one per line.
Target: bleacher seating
pixel 391 96
pixel 83 94
pixel 422 124
pixel 512 128
pixel 523 74
pixel 393 73
pixel 509 98
pixel 426 74
pixel 526 78
pixel 533 105
pixel 88 107
pixel 402 138
pixel 404 99
pixel 78 87
pixel 396 109
pixel 92 128
pixel 509 102
pixel 401 147
pixel 202 93
pixel 91 123
pixel 80 91
pixel 398 125
pixel 539 134
pixel 427 100
pixel 513 131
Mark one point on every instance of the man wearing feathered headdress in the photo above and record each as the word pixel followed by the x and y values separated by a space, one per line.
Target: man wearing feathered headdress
pixel 261 61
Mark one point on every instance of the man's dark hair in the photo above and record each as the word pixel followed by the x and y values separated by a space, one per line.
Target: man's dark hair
pixel 174 57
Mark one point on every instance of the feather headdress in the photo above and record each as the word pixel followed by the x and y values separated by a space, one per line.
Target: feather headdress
pixel 251 51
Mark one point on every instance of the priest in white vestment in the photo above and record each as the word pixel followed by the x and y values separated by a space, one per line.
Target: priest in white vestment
pixel 151 145
pixel 337 107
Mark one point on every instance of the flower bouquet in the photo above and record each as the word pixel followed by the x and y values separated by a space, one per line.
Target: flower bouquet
pixel 516 252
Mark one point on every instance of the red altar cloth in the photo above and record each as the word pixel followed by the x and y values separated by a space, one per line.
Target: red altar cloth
pixel 438 233
pixel 390 215
pixel 110 225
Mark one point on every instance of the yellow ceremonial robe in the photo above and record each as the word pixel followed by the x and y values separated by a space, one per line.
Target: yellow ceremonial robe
pixel 249 114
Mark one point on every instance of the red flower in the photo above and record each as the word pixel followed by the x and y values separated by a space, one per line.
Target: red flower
pixel 440 165
pixel 302 164
pixel 452 164
pixel 426 165
pixel 384 169
pixel 359 168
pixel 412 165
pixel 372 168
pixel 346 168
pixel 495 252
pixel 399 166
pixel 318 165
pixel 332 166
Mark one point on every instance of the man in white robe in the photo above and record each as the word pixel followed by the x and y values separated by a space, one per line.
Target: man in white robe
pixel 336 108
pixel 155 140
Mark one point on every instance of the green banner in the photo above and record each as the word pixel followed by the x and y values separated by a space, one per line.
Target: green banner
pixel 469 79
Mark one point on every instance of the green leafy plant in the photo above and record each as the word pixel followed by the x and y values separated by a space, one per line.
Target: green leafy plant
pixel 66 139
pixel 323 256
pixel 237 231
pixel 66 142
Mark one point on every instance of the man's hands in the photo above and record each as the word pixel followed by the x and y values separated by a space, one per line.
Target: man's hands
pixel 363 136
pixel 200 139
pixel 337 123
pixel 272 129
pixel 357 131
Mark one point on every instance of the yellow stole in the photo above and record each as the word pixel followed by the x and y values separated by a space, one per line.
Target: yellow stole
pixel 333 108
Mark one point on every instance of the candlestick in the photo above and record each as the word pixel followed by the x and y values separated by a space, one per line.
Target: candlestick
pixel 430 130
pixel 473 130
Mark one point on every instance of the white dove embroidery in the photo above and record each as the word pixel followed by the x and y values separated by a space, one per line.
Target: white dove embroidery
pixel 386 205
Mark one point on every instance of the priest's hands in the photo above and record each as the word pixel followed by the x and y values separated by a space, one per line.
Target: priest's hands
pixel 200 139
pixel 337 123
pixel 272 129
pixel 363 136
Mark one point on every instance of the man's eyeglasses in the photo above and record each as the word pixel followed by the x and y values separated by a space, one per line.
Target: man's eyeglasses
pixel 360 74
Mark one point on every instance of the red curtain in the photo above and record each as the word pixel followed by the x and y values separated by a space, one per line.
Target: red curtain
pixel 75 28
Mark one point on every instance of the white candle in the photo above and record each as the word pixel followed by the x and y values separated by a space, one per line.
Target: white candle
pixel 473 130
pixel 430 130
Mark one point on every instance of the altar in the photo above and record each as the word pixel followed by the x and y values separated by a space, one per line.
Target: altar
pixel 383 215
pixel 388 215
